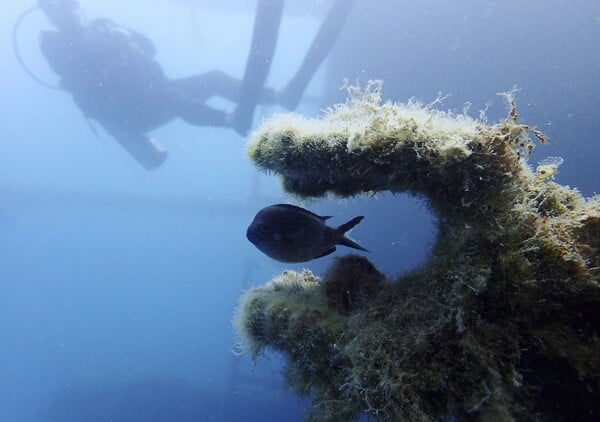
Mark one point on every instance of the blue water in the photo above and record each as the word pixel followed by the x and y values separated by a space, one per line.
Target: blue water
pixel 117 285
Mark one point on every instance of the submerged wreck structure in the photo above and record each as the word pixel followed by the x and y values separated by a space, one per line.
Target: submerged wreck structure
pixel 503 320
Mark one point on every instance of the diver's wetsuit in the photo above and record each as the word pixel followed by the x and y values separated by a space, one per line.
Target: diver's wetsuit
pixel 114 79
pixel 111 73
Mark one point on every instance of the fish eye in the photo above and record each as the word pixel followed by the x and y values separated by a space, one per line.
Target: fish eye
pixel 263 228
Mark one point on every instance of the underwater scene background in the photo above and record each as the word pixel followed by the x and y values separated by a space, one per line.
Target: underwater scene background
pixel 118 285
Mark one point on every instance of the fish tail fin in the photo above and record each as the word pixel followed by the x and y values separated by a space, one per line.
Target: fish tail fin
pixel 345 240
pixel 346 227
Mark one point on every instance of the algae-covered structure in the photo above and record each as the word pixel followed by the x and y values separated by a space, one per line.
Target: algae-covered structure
pixel 502 321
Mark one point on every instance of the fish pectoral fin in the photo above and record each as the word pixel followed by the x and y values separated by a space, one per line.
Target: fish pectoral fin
pixel 327 252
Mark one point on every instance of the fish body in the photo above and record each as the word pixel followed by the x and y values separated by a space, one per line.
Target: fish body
pixel 291 234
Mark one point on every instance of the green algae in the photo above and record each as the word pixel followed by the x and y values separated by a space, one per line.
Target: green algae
pixel 501 323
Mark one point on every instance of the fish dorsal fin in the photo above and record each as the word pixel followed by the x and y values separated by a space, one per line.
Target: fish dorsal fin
pixel 304 211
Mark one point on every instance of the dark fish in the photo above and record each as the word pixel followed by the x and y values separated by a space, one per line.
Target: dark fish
pixel 292 234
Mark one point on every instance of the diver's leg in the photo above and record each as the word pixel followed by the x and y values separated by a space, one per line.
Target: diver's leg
pixel 185 98
pixel 217 84
pixel 206 85
pixel 321 46
pixel 202 115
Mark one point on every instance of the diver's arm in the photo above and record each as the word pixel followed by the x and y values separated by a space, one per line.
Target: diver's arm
pixel 146 151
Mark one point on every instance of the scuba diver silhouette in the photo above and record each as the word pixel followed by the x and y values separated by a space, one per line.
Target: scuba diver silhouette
pixel 112 76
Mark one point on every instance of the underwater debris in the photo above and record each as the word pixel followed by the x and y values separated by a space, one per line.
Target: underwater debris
pixel 501 323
